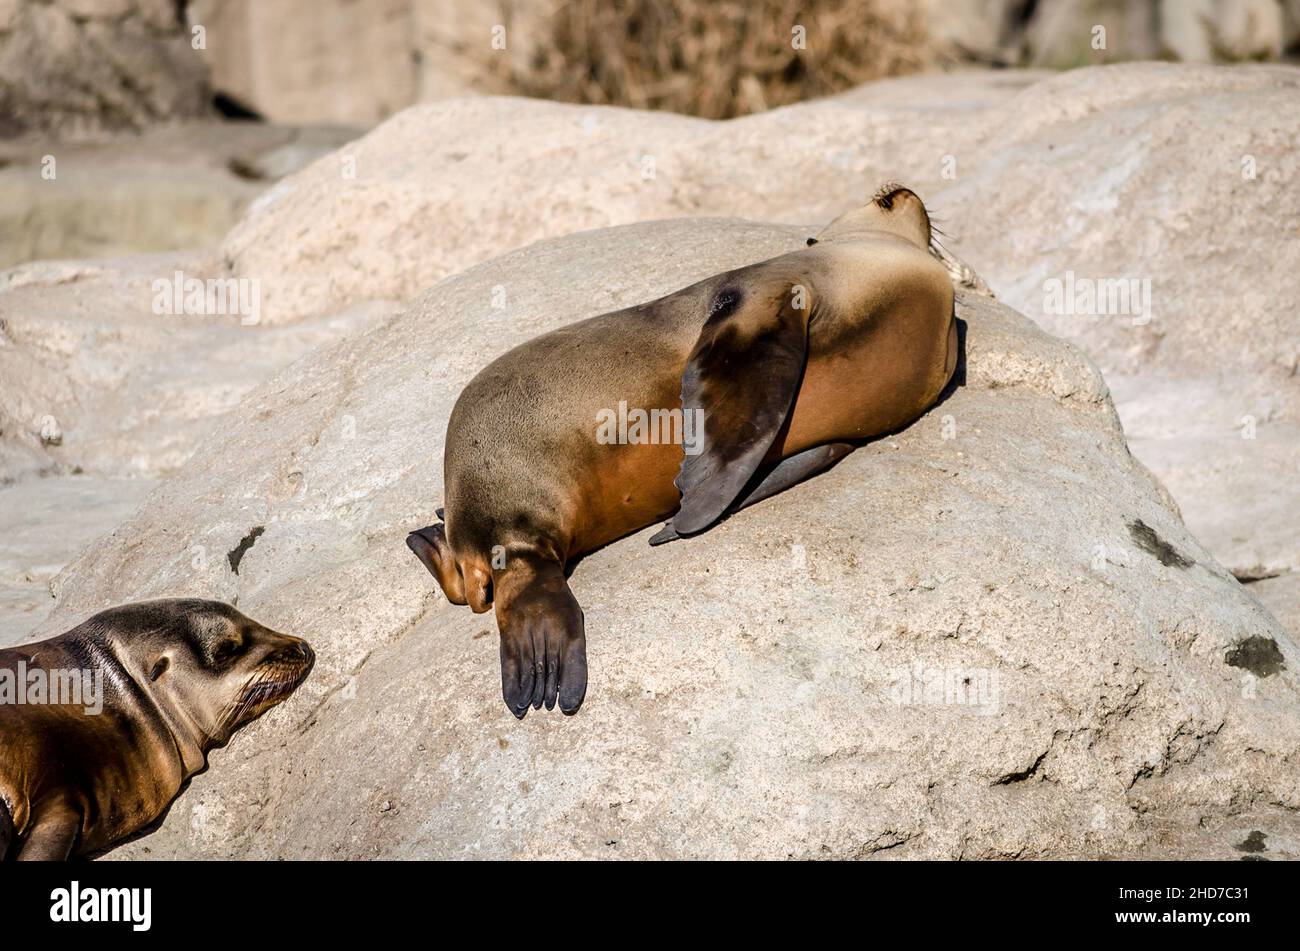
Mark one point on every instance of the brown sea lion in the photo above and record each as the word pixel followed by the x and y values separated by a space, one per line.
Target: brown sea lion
pixel 101 727
pixel 775 371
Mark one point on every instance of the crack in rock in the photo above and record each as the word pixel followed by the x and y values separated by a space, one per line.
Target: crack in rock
pixel 236 554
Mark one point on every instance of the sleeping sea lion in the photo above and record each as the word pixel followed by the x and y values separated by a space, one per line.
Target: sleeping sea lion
pixel 764 376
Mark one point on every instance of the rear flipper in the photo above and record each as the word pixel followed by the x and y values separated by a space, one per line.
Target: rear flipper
pixel 430 546
pixel 787 472
pixel 543 640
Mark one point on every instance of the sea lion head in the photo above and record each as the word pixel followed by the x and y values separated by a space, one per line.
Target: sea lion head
pixel 210 669
pixel 894 208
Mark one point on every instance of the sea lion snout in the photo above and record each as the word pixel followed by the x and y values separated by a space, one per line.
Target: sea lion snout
pixel 288 657
pixel 284 656
pixel 222 667
pixel 893 209
pixel 265 645
pixel 298 651
pixel 893 192
pixel 274 666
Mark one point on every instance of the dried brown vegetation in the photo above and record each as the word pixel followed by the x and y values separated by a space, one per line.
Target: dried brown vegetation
pixel 718 59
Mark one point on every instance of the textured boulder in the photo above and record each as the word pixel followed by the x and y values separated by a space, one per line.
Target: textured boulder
pixel 989 635
pixel 1092 180
pixel 97 378
pixel 100 395
pixel 444 186
pixel 47 522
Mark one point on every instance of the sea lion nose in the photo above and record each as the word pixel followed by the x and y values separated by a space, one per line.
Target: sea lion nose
pixel 297 651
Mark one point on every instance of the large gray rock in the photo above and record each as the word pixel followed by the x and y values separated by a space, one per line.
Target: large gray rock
pixel 96 379
pixel 47 523
pixel 757 691
pixel 100 396
pixel 443 186
pixel 1091 178
pixel 1281 594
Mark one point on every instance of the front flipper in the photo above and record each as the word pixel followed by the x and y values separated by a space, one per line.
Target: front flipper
pixel 743 373
pixel 787 472
pixel 543 636
pixel 52 836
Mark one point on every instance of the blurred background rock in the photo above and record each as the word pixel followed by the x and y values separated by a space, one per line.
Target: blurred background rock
pixel 79 66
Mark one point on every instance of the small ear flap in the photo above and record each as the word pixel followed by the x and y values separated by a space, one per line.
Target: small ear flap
pixel 743 373
pixel 431 547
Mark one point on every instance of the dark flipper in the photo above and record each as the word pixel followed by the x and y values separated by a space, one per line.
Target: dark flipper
pixel 52 836
pixel 784 474
pixel 543 636
pixel 793 470
pixel 431 547
pixel 743 373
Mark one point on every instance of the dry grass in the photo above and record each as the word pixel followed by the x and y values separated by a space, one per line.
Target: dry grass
pixel 719 59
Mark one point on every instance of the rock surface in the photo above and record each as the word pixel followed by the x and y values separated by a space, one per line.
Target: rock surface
pixel 1281 595
pixel 1012 549
pixel 755 691
pixel 40 538
pixel 441 187
pixel 1091 178
pixel 97 380
pixel 102 396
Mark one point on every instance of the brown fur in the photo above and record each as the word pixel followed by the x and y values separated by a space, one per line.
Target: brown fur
pixel 179 678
